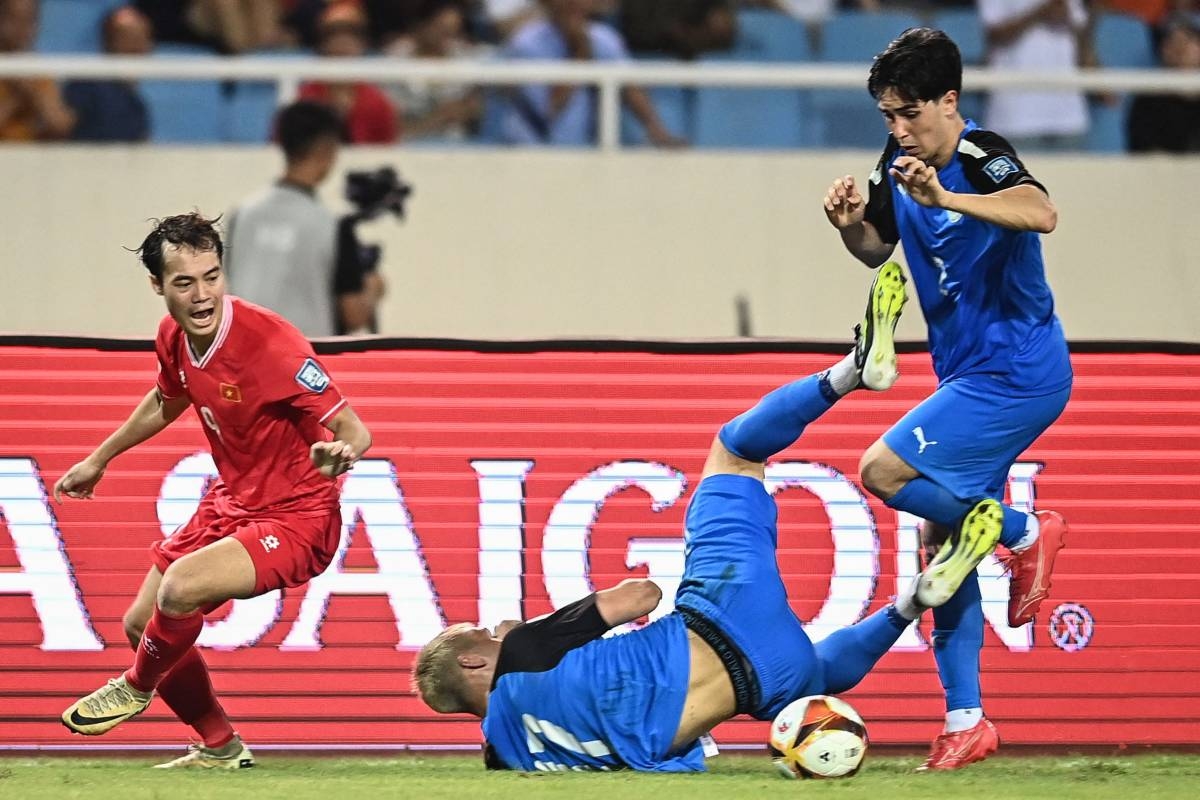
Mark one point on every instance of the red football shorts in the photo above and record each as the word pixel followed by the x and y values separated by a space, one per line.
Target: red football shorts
pixel 287 548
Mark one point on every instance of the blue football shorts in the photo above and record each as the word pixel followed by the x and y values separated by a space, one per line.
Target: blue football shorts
pixel 967 434
pixel 731 577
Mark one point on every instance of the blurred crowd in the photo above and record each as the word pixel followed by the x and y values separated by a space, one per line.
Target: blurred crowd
pixel 1041 34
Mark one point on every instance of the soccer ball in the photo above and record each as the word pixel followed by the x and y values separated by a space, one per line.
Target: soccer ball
pixel 818 737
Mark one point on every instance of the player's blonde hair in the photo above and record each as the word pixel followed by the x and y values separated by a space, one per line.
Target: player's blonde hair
pixel 437 676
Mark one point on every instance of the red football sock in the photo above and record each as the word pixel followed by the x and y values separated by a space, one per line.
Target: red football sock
pixel 188 692
pixel 164 642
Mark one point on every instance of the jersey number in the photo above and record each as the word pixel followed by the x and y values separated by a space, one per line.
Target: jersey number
pixel 210 420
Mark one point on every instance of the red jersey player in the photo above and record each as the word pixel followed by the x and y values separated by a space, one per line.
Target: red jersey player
pixel 273 518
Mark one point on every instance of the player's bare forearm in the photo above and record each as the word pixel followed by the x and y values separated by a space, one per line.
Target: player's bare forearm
pixel 1022 208
pixel 151 416
pixel 629 600
pixel 864 243
pixel 348 428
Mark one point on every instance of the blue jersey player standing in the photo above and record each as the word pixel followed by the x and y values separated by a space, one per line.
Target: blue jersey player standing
pixel 968 214
pixel 553 695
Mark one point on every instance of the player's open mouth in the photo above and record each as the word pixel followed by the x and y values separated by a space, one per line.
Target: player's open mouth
pixel 203 316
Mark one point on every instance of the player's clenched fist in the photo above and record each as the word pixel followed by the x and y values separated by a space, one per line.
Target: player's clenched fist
pixel 844 204
pixel 332 458
pixel 79 482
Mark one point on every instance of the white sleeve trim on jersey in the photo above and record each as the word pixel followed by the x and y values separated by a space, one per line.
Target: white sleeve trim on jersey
pixel 333 410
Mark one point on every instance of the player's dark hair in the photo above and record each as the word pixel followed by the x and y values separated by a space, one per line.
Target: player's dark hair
pixel 302 125
pixel 920 64
pixel 191 230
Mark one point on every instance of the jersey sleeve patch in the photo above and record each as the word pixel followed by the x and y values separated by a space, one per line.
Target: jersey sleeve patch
pixel 312 377
pixel 1000 168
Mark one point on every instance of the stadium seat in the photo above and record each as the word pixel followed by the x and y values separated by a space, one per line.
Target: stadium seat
pixel 965 28
pixel 674 105
pixel 251 111
pixel 185 112
pixel 757 118
pixel 770 36
pixel 72 26
pixel 251 106
pixel 1122 42
pixel 848 118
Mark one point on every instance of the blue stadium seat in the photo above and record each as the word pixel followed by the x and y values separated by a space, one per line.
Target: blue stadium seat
pixel 752 118
pixel 72 26
pixel 251 112
pixel 857 36
pixel 757 118
pixel 848 118
pixel 1122 42
pixel 966 29
pixel 770 36
pixel 674 105
pixel 185 112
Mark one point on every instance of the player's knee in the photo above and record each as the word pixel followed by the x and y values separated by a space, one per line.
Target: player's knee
pixel 876 477
pixel 177 594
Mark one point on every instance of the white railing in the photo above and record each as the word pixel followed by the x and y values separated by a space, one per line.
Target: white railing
pixel 608 78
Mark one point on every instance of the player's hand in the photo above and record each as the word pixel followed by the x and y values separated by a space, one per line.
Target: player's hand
pixel 844 204
pixel 332 458
pixel 79 482
pixel 920 181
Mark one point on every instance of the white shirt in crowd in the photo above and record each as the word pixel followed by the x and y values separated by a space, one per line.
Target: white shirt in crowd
pixel 1041 47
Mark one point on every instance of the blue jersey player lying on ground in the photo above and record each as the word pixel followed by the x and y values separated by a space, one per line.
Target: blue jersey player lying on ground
pixel 554 695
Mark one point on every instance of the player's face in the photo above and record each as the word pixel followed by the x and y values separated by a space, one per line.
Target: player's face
pixel 925 129
pixel 193 285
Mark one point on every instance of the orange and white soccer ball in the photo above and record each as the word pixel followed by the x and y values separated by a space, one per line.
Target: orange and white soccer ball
pixel 818 737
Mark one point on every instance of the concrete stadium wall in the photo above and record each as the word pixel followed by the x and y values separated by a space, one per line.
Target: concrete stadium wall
pixel 568 244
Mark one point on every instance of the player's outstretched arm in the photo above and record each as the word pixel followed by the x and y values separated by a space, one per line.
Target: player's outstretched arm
pixel 1022 208
pixel 630 599
pixel 351 439
pixel 846 208
pixel 152 415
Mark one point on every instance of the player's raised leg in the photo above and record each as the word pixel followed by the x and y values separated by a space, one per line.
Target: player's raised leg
pixel 216 573
pixel 875 346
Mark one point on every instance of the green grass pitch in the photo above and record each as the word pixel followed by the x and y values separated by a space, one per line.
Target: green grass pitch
pixel 292 777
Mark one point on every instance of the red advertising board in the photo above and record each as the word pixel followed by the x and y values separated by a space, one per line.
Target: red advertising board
pixel 504 484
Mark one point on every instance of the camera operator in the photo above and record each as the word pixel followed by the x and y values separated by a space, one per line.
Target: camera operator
pixel 287 252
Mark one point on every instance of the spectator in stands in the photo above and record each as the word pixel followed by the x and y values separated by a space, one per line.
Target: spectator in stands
pixel 1032 35
pixel 441 110
pixel 683 29
pixel 113 110
pixel 368 115
pixel 1170 122
pixel 286 251
pixel 228 26
pixel 1152 12
pixel 30 108
pixel 566 114
pixel 509 16
pixel 237 26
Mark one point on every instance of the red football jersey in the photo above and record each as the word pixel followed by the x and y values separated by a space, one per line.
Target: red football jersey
pixel 262 397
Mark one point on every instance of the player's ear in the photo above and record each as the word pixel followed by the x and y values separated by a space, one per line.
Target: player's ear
pixel 472 661
pixel 156 285
pixel 949 102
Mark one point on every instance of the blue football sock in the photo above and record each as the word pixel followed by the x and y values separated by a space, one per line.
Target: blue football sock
pixel 1014 526
pixel 928 500
pixel 778 419
pixel 846 655
pixel 957 640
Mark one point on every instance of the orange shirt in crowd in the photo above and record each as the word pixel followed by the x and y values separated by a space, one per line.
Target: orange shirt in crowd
pixel 370 117
pixel 19 120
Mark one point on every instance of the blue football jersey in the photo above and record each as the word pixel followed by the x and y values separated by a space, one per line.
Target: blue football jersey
pixel 564 699
pixel 982 287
